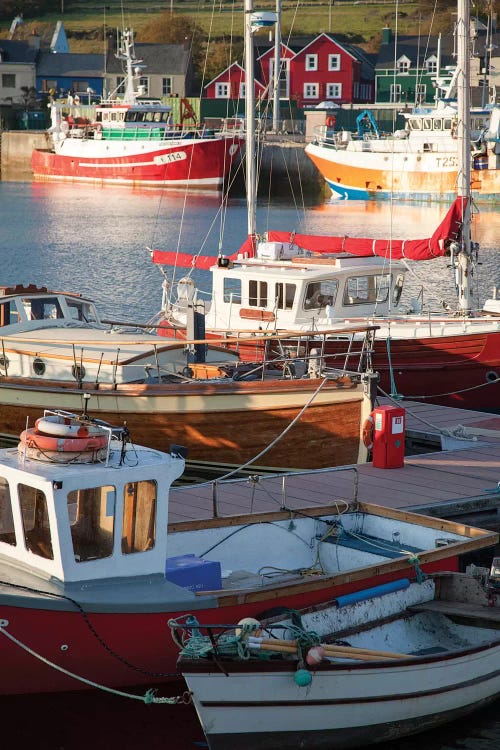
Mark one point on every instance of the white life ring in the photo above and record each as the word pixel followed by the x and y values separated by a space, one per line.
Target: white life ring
pixel 53 444
pixel 60 426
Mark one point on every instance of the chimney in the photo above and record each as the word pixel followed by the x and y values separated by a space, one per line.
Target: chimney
pixel 34 40
pixel 386 35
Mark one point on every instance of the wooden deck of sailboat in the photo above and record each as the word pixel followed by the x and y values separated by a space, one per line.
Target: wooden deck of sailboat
pixel 466 475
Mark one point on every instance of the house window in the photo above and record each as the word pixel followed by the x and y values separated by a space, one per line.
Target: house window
pixel 242 91
pixel 47 84
pixel 311 62
pixel 420 93
pixel 166 86
pixel 120 85
pixel 395 93
pixel 80 87
pixel 403 65
pixel 311 90
pixel 144 84
pixel 333 90
pixel 222 90
pixel 8 80
pixel 333 62
pixel 257 293
pixel 431 64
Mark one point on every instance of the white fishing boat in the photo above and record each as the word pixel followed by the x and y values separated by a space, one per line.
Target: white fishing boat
pixel 288 280
pixel 91 571
pixel 359 670
pixel 131 140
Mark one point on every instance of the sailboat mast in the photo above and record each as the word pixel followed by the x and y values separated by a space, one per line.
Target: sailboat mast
pixel 251 187
pixel 464 269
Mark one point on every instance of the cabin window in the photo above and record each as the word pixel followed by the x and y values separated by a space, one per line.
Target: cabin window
pixel 319 294
pixel 35 517
pixel 44 308
pixel 91 515
pixel 8 314
pixel 7 533
pixel 398 289
pixel 333 90
pixel 311 90
pixel 222 90
pixel 362 290
pixel 139 517
pixel 421 93
pixel 285 295
pixel 427 123
pixel 81 311
pixel 232 290
pixel 311 62
pixel 257 293
pixel 333 62
pixel 166 86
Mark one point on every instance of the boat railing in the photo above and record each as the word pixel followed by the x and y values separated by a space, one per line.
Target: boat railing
pixel 284 355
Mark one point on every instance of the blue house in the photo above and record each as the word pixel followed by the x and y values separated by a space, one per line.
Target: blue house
pixel 83 73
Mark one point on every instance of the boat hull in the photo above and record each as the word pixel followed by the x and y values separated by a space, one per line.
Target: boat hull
pixel 200 163
pixel 421 358
pixel 221 423
pixel 365 174
pixel 342 708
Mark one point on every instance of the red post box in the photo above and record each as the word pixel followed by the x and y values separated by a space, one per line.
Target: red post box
pixel 388 450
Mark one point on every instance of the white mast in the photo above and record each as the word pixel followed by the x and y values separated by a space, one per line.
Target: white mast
pixel 464 262
pixel 277 68
pixel 250 120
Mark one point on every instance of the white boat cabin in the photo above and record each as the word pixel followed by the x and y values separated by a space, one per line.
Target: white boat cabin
pixel 278 289
pixel 90 521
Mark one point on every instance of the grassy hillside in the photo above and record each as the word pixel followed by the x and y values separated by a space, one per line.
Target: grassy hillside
pixel 360 22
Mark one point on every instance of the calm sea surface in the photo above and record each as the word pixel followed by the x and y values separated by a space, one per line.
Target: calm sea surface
pixel 94 241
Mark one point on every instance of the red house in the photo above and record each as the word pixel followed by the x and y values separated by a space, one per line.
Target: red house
pixel 230 84
pixel 310 72
pixel 325 70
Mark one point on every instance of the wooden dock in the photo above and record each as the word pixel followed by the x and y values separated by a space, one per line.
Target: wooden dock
pixel 465 479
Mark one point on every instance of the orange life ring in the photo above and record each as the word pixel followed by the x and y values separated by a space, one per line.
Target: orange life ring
pixel 331 121
pixel 367 434
pixel 65 427
pixel 34 439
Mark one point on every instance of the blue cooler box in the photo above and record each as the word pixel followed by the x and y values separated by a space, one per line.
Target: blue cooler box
pixel 193 573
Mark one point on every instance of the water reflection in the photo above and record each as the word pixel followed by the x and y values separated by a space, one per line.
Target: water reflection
pixel 95 240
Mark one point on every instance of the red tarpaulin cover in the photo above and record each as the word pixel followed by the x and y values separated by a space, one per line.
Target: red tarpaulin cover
pixel 432 247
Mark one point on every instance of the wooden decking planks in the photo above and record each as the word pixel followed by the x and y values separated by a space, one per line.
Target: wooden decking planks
pixel 488 616
pixel 425 480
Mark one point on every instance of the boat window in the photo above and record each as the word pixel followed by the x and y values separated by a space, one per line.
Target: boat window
pixel 81 311
pixel 8 314
pixel 319 294
pixel 42 308
pixel 438 124
pixel 91 514
pixel 284 296
pixel 7 533
pixel 257 293
pixel 139 517
pixel 232 290
pixel 362 290
pixel 447 124
pixel 415 124
pixel 35 521
pixel 427 123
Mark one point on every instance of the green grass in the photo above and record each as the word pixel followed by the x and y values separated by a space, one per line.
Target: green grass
pixel 360 23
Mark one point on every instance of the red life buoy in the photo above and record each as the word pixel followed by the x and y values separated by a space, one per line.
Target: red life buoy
pixel 331 121
pixel 367 434
pixel 54 444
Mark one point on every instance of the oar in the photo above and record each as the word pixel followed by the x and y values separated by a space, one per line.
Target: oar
pixel 330 649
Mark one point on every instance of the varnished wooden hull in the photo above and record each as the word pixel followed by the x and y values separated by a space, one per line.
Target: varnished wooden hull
pixel 222 423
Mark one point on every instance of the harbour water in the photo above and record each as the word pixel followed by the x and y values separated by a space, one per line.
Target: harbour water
pixel 95 241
